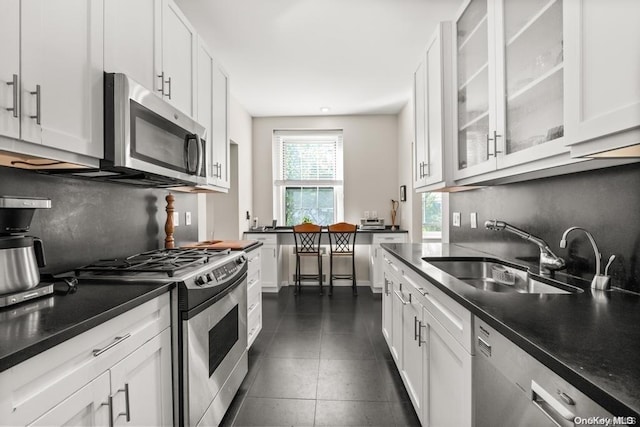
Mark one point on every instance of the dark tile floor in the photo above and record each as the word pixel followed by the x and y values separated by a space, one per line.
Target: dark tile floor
pixel 321 361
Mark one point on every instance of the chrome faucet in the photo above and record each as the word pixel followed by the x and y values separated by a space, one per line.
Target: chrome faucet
pixel 599 281
pixel 549 262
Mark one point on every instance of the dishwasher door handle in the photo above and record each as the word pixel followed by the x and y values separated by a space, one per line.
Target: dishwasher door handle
pixel 543 400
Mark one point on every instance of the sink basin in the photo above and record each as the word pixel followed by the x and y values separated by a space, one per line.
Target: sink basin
pixel 493 275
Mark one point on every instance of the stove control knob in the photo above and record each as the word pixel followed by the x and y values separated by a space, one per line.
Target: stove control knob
pixel 209 277
pixel 200 280
pixel 241 259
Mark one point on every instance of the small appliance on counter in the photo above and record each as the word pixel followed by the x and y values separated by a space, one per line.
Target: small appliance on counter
pixel 372 224
pixel 20 255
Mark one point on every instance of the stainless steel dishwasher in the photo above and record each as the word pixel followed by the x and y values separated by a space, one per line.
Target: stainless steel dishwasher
pixel 511 388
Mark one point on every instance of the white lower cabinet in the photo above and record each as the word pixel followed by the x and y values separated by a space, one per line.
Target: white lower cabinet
pixel 117 373
pixel 429 337
pixel 375 256
pixel 254 296
pixel 269 260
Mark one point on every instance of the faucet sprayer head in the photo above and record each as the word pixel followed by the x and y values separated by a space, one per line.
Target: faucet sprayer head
pixel 563 243
pixel 495 225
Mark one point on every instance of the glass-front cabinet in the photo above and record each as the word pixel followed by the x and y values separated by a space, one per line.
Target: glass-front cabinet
pixel 509 58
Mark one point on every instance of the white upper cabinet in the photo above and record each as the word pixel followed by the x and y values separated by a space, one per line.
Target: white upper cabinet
pixel 9 68
pixel 51 76
pixel 433 119
pixel 212 114
pixel 152 42
pixel 510 68
pixel 603 93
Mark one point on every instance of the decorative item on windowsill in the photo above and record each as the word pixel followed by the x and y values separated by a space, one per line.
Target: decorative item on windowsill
pixel 394 211
pixel 169 242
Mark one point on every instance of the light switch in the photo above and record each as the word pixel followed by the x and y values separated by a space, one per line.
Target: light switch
pixel 473 219
pixel 456 219
pixel 176 218
pixel 187 218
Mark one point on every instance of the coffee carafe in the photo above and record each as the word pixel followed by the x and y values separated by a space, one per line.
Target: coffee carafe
pixel 20 255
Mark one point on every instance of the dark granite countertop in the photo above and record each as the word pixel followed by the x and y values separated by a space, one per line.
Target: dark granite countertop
pixel 591 339
pixel 30 328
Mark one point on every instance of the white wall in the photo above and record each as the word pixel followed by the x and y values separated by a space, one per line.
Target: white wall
pixel 230 222
pixel 370 162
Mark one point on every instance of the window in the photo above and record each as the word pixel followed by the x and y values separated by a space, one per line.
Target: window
pixel 308 182
pixel 431 216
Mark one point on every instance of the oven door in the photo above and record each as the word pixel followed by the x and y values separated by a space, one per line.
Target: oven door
pixel 145 133
pixel 214 342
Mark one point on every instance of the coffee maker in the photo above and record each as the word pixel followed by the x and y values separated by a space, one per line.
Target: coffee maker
pixel 20 255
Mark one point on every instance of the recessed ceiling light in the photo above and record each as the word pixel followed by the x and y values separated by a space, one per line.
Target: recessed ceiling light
pixel 325 109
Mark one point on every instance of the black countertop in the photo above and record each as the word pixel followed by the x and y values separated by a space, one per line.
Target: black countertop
pixel 591 339
pixel 30 328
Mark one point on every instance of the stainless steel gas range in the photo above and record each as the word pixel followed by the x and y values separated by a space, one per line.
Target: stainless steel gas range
pixel 209 323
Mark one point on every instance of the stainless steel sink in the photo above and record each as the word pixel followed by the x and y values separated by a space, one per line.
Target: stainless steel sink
pixel 493 275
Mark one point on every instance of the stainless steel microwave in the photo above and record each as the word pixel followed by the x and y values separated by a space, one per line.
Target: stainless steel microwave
pixel 147 141
pixel 145 134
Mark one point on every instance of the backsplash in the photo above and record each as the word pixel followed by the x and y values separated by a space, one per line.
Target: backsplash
pixel 91 220
pixel 606 202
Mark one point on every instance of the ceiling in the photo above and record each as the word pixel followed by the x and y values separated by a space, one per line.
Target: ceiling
pixel 292 57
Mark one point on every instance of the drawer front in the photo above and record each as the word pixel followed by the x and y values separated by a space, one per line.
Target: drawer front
pixel 253 259
pixel 41 382
pixel 389 238
pixel 254 294
pixel 254 324
pixel 267 238
pixel 452 316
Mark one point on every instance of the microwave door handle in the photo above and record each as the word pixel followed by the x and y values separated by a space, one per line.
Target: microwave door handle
pixel 187 144
pixel 200 148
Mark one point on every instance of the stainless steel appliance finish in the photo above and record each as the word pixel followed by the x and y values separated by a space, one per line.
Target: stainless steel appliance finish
pixel 211 320
pixel 511 388
pixel 549 261
pixel 22 296
pixel 147 141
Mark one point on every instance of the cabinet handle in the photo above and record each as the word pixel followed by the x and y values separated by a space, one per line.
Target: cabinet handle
pixel 14 83
pixel 168 94
pixel 127 412
pixel 423 292
pixel 116 341
pixel 161 76
pixel 495 143
pixel 420 326
pixel 428 172
pixel 38 95
pixel 542 398
pixel 110 405
pixel 488 152
pixel 399 295
pixel 386 286
pixel 415 328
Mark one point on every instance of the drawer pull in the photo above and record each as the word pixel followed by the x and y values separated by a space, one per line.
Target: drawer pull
pixel 116 341
pixel 401 299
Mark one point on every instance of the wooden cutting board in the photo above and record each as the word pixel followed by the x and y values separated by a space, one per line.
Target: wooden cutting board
pixel 234 245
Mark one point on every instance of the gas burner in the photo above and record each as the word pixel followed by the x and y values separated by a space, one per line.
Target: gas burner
pixel 165 261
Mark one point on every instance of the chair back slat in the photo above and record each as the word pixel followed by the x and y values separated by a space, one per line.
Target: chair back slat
pixel 307 238
pixel 342 238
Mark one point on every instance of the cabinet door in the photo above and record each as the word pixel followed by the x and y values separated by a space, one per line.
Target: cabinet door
pixel 220 126
pixel 603 94
pixel 434 110
pixel 179 42
pixel 89 406
pixel 62 74
pixel 475 86
pixel 446 378
pixel 397 310
pixel 132 40
pixel 269 266
pixel 420 123
pixel 141 384
pixel 387 308
pixel 205 104
pixel 412 353
pixel 529 81
pixel 9 67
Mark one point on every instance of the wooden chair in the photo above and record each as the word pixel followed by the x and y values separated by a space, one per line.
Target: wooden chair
pixel 307 239
pixel 342 241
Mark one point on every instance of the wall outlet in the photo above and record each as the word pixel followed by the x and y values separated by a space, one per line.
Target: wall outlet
pixel 456 219
pixel 473 219
pixel 374 214
pixel 176 218
pixel 187 218
pixel 366 214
